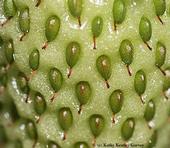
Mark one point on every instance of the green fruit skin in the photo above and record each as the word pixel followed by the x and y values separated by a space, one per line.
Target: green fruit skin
pixel 34 59
pixel 160 54
pixel 24 20
pixel 150 111
pixel 127 128
pixel 96 128
pixel 65 118
pixel 56 79
pixel 75 7
pixel 140 82
pixel 119 11
pixel 116 101
pixel 72 53
pixel 83 92
pixel 126 51
pixel 52 27
pixel 97 26
pixel 145 29
pixel 160 7
pixel 103 65
pixel 9 8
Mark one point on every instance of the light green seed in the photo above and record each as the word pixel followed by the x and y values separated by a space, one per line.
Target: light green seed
pixel 97 26
pixel 9 8
pixel 31 130
pixel 116 101
pixel 9 50
pixel 56 79
pixel 83 92
pixel 126 51
pixel 97 124
pixel 52 144
pixel 160 54
pixel 127 128
pixel 119 11
pixel 24 20
pixel 75 8
pixel 140 82
pixel 81 145
pixel 160 7
pixel 18 144
pixel 3 136
pixel 145 29
pixel 72 53
pixel 153 140
pixel 34 59
pixel 52 27
pixel 65 118
pixel 103 65
pixel 149 111
pixel 39 103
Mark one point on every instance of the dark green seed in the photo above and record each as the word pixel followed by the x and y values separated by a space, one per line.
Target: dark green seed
pixel 1 41
pixel 119 12
pixel 72 54
pixel 103 65
pixel 160 54
pixel 140 82
pixel 65 118
pixel 31 130
pixel 166 83
pixel 97 26
pixel 83 92
pixel 24 20
pixel 39 103
pixel 116 101
pixel 149 111
pixel 1 106
pixel 145 30
pixel 18 144
pixel 3 80
pixel 52 144
pixel 81 145
pixel 56 79
pixel 153 140
pixel 52 27
pixel 3 136
pixel 12 110
pixel 160 7
pixel 127 128
pixel 126 52
pixel 97 124
pixel 23 82
pixel 9 50
pixel 75 8
pixel 34 59
pixel 9 8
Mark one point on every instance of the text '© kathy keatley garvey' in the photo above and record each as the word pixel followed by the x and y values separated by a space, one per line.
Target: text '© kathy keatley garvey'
pixel 120 145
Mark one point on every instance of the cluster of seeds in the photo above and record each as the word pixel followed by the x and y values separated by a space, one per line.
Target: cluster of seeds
pixel 83 88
